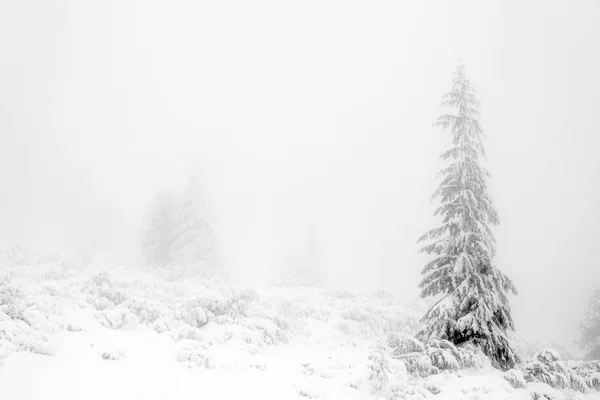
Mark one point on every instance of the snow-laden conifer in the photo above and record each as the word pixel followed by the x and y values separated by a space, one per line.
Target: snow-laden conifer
pixel 474 305
pixel 180 231
pixel 590 329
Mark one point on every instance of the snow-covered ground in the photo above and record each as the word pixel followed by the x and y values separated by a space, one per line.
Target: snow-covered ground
pixel 95 332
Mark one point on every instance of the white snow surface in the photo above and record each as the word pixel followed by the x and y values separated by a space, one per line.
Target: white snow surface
pixel 74 333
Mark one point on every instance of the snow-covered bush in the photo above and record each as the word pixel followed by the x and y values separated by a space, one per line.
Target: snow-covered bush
pixel 186 332
pixel 437 355
pixel 528 348
pixel 117 318
pixel 341 294
pixel 589 371
pixel 535 395
pixel 18 335
pixel 164 324
pixel 146 310
pixel 105 292
pixel 401 344
pixel 56 274
pixel 112 355
pixel 191 354
pixel 515 378
pixel 196 317
pixel 10 293
pixel 379 369
pixel 18 256
pixel 271 333
pixel 409 391
pixel 547 367
pixel 371 322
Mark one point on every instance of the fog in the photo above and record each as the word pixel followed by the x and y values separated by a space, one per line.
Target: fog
pixel 306 112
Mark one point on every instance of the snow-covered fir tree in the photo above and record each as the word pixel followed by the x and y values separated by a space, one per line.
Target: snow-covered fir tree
pixel 474 305
pixel 179 229
pixel 159 229
pixel 590 329
pixel 308 270
pixel 302 263
pixel 195 239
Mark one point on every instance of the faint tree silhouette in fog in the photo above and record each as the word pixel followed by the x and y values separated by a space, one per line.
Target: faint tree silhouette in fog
pixel 179 230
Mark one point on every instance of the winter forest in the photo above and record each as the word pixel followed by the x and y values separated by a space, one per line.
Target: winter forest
pixel 315 200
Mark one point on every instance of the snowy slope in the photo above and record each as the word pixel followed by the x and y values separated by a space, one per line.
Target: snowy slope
pixel 69 332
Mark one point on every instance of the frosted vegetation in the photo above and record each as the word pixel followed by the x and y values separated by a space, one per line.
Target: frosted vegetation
pixel 177 327
pixel 329 343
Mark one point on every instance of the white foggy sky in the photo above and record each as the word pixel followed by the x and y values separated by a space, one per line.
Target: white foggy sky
pixel 311 110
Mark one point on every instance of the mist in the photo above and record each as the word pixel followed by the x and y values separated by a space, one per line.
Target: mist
pixel 306 112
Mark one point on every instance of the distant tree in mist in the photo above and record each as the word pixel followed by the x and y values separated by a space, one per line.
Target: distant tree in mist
pixel 179 230
pixel 303 266
pixel 159 232
pixel 308 272
pixel 590 329
pixel 474 305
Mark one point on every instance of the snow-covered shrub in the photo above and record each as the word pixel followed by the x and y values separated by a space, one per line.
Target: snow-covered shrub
pixel 240 301
pixel 200 310
pixel 18 256
pixel 444 355
pixel 341 294
pixel 117 318
pixel 437 355
pixel 369 322
pixel 271 333
pixel 299 308
pixel 196 317
pixel 186 332
pixel 164 324
pixel 527 348
pixel 408 391
pixel 541 396
pixel 38 314
pixel 382 294
pixel 378 369
pixel 589 371
pixel 56 274
pixel 146 310
pixel 112 355
pixel 515 378
pixel 18 335
pixel 49 290
pixel 306 393
pixel 471 356
pixel 10 293
pixel 73 328
pixel 259 311
pixel 192 354
pixel 547 367
pixel 223 320
pixel 401 344
pixel 103 286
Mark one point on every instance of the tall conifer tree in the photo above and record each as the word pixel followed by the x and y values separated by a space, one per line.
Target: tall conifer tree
pixel 474 304
pixel 590 329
